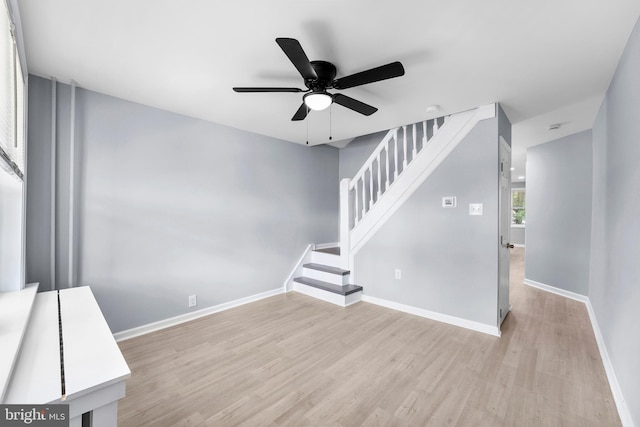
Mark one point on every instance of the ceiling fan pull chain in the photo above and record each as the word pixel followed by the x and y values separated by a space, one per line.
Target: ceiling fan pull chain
pixel 307 126
pixel 330 122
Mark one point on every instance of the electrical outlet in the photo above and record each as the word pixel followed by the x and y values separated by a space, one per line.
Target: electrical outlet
pixel 398 274
pixel 192 301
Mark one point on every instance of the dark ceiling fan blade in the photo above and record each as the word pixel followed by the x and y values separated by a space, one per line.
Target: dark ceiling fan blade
pixel 354 104
pixel 267 89
pixel 301 114
pixel 296 55
pixel 384 72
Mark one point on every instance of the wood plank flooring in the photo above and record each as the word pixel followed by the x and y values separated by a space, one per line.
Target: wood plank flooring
pixel 291 360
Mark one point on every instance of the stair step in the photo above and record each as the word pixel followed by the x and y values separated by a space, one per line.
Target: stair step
pixel 327 269
pixel 333 251
pixel 329 287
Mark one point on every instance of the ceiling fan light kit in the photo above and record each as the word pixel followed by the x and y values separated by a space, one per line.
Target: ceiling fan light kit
pixel 319 76
pixel 317 101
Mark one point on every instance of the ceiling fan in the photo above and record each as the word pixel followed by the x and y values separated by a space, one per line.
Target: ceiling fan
pixel 320 75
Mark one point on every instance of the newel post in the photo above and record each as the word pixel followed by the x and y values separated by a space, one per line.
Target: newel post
pixel 345 218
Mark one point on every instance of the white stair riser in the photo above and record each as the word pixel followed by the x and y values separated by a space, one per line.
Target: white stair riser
pixel 336 279
pixel 325 259
pixel 342 301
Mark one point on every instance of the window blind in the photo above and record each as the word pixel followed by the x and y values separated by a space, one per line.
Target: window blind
pixel 11 98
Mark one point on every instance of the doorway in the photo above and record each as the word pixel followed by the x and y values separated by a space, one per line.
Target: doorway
pixel 505 228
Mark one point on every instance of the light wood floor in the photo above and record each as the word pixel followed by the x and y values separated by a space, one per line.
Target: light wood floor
pixel 291 360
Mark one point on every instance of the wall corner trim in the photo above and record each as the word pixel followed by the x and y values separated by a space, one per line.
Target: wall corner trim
pixel 618 398
pixel 444 318
pixel 173 321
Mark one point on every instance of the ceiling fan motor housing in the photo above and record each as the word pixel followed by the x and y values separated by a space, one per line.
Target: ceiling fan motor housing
pixel 326 73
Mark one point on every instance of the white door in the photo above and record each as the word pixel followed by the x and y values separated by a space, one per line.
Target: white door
pixel 505 228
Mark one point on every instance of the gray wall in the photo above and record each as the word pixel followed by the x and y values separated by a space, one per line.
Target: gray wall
pixel 504 125
pixel 168 206
pixel 449 260
pixel 559 212
pixel 353 156
pixel 518 233
pixel 614 282
pixel 38 230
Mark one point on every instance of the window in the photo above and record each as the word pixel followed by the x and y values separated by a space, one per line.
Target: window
pixel 11 98
pixel 12 144
pixel 518 207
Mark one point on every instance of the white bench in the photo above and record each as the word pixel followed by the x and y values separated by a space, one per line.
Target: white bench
pixel 94 368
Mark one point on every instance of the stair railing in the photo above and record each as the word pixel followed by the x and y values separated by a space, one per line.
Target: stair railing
pixel 387 162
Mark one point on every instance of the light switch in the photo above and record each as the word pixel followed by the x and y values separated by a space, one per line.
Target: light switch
pixel 475 208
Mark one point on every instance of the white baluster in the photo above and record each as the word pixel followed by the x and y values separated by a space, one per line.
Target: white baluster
pixel 395 152
pixel 435 126
pixel 386 148
pixel 371 185
pixel 345 220
pixel 415 143
pixel 379 179
pixel 364 196
pixel 355 213
pixel 424 133
pixel 404 148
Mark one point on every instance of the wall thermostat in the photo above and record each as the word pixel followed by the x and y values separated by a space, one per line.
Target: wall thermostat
pixel 449 202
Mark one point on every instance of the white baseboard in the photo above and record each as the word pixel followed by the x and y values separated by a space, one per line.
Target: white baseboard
pixel 444 318
pixel 172 321
pixel 618 398
pixel 621 404
pixel 557 291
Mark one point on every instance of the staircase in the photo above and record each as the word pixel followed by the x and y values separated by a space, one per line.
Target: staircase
pixel 401 162
pixel 322 278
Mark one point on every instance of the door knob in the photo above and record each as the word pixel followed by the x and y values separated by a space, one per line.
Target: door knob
pixel 509 246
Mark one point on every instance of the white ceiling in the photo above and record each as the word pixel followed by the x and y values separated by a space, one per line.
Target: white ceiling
pixel 545 61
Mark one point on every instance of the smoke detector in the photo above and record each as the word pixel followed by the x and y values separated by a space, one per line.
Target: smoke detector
pixel 433 109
